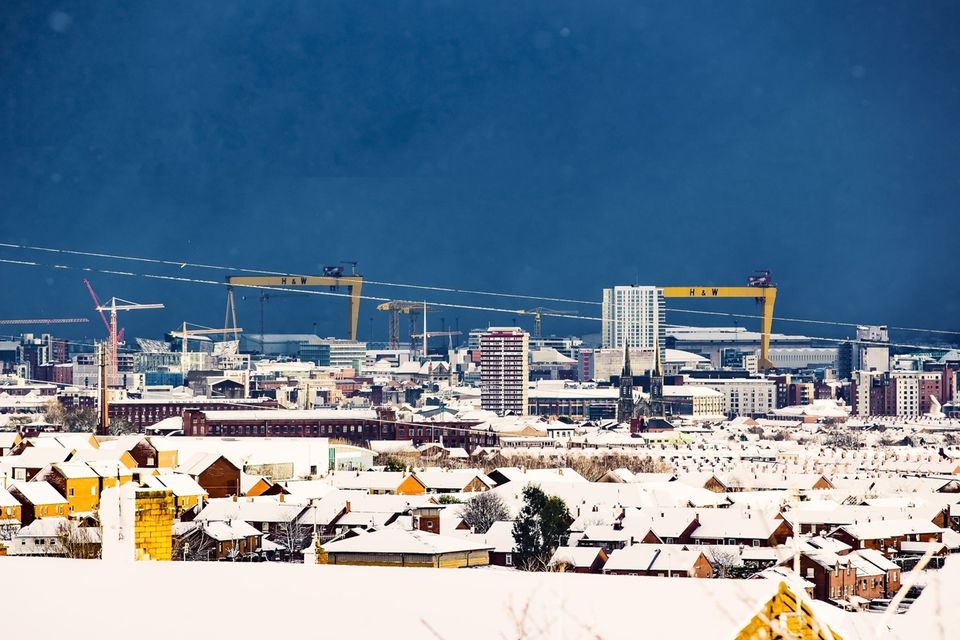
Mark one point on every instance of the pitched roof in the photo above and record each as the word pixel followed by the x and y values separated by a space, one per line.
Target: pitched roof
pixel 375 480
pixel 74 470
pixel 454 479
pixel 7 499
pixel 734 523
pixel 878 529
pixel 200 462
pixel 575 556
pixel 223 531
pixel 259 509
pixel 653 557
pixel 36 457
pixel 396 540
pixel 38 492
pixel 181 484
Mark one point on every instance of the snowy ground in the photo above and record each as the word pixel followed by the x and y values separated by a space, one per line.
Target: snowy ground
pixel 103 600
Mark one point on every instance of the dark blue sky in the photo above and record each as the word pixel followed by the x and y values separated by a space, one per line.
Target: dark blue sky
pixel 548 147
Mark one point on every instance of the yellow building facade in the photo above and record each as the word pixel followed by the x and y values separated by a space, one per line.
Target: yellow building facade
pixel 153 525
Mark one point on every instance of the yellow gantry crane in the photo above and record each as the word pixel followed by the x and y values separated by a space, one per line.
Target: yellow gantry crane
pixel 333 277
pixel 760 287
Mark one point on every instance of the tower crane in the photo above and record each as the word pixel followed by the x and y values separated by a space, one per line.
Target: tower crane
pixel 118 304
pixel 436 334
pixel 537 313
pixel 404 307
pixel 115 305
pixel 96 305
pixel 45 321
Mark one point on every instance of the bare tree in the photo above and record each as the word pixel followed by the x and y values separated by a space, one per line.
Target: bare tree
pixel 193 544
pixel 591 467
pixel 843 440
pixel 119 427
pixel 483 509
pixel 295 536
pixel 54 413
pixel 80 420
pixel 74 541
pixel 724 560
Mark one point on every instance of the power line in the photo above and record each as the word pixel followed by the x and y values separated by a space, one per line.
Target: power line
pixel 183 264
pixel 197 265
pixel 808 321
pixel 218 283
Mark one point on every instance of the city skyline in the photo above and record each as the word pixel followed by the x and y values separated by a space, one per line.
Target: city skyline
pixel 550 153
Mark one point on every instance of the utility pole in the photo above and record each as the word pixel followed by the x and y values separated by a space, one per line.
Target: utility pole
pixel 103 424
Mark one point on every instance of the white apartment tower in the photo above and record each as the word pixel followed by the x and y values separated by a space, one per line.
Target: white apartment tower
pixel 504 370
pixel 633 314
pixel 870 352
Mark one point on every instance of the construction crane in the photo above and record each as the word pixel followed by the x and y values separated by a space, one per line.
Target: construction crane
pixel 45 321
pixel 405 307
pixel 185 334
pixel 96 305
pixel 759 287
pixel 437 334
pixel 115 305
pixel 332 277
pixel 538 317
pixel 107 360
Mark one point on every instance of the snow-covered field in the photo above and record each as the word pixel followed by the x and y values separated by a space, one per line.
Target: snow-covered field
pixel 100 600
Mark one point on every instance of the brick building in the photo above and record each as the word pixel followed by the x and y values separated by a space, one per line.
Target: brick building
pixel 143 413
pixel 355 425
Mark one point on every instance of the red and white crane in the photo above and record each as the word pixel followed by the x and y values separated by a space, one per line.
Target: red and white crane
pixel 118 304
pixel 96 305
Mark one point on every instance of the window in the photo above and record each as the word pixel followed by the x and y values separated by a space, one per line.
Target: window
pixel 509 560
pixel 70 490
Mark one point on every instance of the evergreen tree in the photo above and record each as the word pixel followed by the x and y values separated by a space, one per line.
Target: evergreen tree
pixel 540 527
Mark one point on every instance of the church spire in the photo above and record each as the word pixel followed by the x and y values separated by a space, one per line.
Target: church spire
pixel 625 402
pixel 626 359
pixel 656 385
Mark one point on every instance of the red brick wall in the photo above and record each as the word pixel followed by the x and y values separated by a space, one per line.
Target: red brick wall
pixel 220 480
